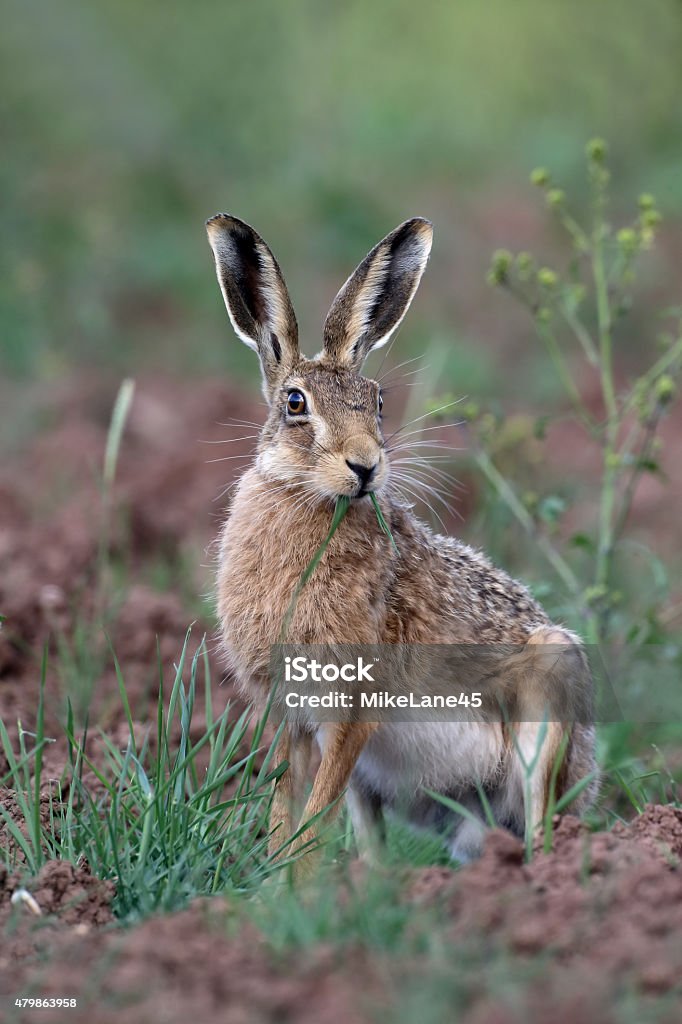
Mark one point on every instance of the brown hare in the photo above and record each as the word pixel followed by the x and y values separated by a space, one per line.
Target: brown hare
pixel 323 439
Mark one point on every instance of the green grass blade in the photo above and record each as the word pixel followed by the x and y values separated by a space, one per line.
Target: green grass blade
pixel 119 416
pixel 340 509
pixel 382 521
pixel 38 763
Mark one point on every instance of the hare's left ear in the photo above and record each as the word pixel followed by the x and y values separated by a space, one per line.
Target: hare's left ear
pixel 377 295
pixel 256 296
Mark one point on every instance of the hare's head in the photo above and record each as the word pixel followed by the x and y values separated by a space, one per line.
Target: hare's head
pixel 323 432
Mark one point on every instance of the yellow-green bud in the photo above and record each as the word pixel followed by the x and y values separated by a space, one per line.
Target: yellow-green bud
pixel 665 389
pixel 547 278
pixel 540 177
pixel 650 218
pixel 543 315
pixel 628 240
pixel 646 201
pixel 596 150
pixel 501 264
pixel 555 197
pixel 595 594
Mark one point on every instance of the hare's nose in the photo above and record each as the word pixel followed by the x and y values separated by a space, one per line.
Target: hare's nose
pixel 363 473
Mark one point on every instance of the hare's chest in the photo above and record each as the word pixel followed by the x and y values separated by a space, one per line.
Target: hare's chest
pixel 266 550
pixel 255 589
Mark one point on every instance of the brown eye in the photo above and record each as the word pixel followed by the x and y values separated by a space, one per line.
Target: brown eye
pixel 296 403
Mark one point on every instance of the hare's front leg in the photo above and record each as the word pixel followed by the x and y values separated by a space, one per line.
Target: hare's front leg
pixel 295 748
pixel 342 744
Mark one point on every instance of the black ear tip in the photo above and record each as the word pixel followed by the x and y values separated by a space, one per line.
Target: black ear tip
pixel 415 235
pixel 416 229
pixel 422 224
pixel 227 222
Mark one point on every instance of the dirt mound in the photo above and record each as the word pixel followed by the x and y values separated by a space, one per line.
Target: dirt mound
pixel 194 966
pixel 10 809
pixel 64 890
pixel 37 916
pixel 164 517
pixel 605 905
pixel 573 927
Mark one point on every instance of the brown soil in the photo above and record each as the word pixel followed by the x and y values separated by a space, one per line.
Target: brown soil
pixel 599 916
pixel 166 514
pixel 604 910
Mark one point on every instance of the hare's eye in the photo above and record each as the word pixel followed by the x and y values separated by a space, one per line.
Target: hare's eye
pixel 380 403
pixel 296 403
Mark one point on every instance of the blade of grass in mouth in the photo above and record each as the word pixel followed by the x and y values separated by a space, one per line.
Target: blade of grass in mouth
pixel 340 509
pixel 382 522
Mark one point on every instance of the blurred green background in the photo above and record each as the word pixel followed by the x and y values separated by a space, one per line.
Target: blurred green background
pixel 125 125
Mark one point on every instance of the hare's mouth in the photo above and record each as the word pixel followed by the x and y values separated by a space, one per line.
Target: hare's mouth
pixel 365 476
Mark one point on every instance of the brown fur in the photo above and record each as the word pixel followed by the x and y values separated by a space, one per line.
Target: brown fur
pixel 436 591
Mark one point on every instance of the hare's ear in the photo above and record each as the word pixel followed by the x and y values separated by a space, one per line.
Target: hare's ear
pixel 255 294
pixel 377 295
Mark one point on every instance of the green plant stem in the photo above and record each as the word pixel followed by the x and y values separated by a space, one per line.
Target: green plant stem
pixel 582 334
pixel 549 338
pixel 643 454
pixel 38 764
pixel 569 384
pixel 574 229
pixel 660 366
pixel 119 416
pixel 505 491
pixel 609 454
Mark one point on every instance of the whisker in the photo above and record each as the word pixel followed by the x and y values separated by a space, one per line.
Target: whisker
pixel 431 471
pixel 231 440
pixel 406 362
pixel 229 458
pixel 242 423
pixel 419 497
pixel 390 346
pixel 425 416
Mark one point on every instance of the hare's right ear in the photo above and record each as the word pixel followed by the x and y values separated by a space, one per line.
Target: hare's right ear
pixel 375 298
pixel 256 296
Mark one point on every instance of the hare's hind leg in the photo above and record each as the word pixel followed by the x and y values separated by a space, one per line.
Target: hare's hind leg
pixel 539 748
pixel 552 697
pixel 467 842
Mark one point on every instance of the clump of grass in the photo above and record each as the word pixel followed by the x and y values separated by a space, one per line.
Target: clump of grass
pixel 170 817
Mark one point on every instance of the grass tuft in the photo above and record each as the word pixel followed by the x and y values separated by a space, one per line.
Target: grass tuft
pixel 172 816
